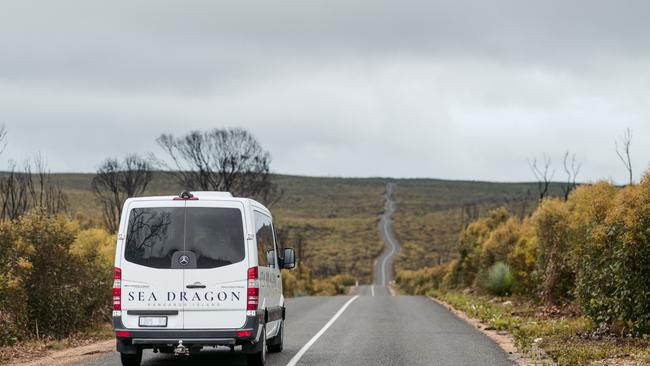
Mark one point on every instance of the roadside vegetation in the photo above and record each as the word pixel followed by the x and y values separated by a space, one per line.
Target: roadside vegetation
pixel 432 213
pixel 55 279
pixel 558 333
pixel 577 272
pixel 551 271
pixel 57 231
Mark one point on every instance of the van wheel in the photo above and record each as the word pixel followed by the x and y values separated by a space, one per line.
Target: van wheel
pixel 276 343
pixel 129 359
pixel 257 355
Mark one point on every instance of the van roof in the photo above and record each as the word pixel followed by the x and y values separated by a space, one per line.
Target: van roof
pixel 206 195
pixel 211 194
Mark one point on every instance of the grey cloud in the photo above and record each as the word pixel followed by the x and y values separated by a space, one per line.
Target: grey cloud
pixel 456 89
pixel 187 43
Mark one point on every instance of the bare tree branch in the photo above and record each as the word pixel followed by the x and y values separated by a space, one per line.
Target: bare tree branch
pixel 229 160
pixel 542 174
pixel 137 174
pixel 624 155
pixel 22 190
pixel 116 181
pixel 571 168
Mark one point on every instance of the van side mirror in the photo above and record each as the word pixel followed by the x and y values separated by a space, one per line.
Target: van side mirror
pixel 289 259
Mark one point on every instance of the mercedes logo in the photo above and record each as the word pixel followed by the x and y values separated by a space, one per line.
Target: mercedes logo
pixel 184 260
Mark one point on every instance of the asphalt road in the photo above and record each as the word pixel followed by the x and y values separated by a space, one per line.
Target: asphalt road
pixel 384 264
pixel 370 328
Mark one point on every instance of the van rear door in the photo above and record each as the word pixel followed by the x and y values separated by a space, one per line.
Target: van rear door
pixel 151 283
pixel 215 278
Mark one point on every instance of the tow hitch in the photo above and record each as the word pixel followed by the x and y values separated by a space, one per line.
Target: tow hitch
pixel 181 350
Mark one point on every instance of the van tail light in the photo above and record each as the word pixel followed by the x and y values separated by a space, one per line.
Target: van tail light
pixel 123 334
pixel 244 333
pixel 253 293
pixel 117 290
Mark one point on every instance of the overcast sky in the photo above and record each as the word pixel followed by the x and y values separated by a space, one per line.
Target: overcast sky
pixel 431 88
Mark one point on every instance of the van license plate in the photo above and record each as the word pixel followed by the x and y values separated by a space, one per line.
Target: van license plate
pixel 153 321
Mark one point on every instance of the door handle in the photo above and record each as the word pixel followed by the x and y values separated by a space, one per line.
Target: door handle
pixel 195 285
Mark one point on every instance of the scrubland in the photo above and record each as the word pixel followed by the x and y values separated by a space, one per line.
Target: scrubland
pixel 572 278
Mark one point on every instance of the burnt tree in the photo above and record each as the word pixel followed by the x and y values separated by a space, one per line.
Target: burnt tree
pixel 115 181
pixel 571 168
pixel 543 174
pixel 623 152
pixel 23 189
pixel 230 160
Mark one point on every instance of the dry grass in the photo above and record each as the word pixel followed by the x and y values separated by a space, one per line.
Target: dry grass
pixel 563 335
pixel 37 348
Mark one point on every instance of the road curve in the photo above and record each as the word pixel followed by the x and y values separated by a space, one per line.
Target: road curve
pixel 383 271
pixel 384 264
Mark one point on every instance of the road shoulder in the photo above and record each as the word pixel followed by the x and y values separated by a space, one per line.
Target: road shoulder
pixel 69 356
pixel 501 338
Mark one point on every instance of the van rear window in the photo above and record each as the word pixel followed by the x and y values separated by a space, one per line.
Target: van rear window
pixel 214 235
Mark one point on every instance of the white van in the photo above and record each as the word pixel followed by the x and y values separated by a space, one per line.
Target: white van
pixel 198 270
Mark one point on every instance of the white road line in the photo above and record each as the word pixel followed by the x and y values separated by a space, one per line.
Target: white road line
pixel 372 290
pixel 313 340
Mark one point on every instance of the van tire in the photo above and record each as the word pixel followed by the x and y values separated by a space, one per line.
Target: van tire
pixel 256 355
pixel 276 343
pixel 131 359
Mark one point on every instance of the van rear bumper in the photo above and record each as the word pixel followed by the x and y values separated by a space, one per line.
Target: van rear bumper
pixel 153 338
pixel 186 341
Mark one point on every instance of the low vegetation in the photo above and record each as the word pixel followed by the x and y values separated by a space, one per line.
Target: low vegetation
pixel 432 213
pixel 55 278
pixel 556 333
pixel 333 225
pixel 56 270
pixel 590 253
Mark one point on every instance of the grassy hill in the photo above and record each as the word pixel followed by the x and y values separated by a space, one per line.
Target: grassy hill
pixel 333 221
pixel 431 214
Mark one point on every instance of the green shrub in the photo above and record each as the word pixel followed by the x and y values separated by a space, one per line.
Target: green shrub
pixel 97 244
pixel 594 247
pixel 498 245
pixel 336 285
pixel 14 269
pixel 423 281
pixel 613 281
pixel 66 292
pixel 554 263
pixel 297 282
pixel 471 243
pixel 453 274
pixel 523 261
pixel 54 279
pixel 500 280
pixel 324 288
pixel 341 282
